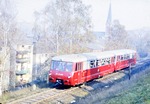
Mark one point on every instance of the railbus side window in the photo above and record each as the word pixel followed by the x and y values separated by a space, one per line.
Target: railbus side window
pixel 121 57
pixel 76 67
pixel 108 60
pixel 132 56
pixel 128 56
pixel 118 58
pixel 98 62
pixel 112 59
pixel 125 57
pixel 103 61
pixel 92 64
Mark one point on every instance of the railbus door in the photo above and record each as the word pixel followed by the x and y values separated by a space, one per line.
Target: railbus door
pixel 78 72
pixel 117 61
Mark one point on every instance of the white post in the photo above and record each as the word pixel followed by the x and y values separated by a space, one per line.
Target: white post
pixel 129 72
pixel 57 47
pixel 0 84
pixel 71 46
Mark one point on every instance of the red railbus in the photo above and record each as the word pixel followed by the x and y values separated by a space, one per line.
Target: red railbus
pixel 74 69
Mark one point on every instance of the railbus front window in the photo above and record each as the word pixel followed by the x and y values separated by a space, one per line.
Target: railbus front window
pixel 68 67
pixel 61 66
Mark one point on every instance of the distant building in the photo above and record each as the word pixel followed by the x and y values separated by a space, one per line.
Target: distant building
pixel 41 65
pixel 24 63
pixel 4 69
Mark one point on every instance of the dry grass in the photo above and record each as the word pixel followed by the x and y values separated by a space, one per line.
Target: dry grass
pixel 13 95
pixel 68 97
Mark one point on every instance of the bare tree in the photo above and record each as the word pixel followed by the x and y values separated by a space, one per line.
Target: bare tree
pixel 64 25
pixel 7 34
pixel 117 37
pixel 141 41
pixel 7 17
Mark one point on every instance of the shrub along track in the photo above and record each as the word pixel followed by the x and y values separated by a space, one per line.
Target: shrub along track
pixel 71 95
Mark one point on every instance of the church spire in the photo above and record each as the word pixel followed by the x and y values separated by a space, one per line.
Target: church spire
pixel 109 20
pixel 109 17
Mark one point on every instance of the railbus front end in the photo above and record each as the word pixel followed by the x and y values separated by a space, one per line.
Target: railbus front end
pixel 61 72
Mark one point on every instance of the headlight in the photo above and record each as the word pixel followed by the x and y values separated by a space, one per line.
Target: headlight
pixel 69 76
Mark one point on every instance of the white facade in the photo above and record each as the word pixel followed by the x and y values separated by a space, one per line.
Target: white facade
pixel 41 65
pixel 41 58
pixel 24 63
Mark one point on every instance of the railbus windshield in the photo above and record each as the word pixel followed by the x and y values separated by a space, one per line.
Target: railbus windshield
pixel 61 66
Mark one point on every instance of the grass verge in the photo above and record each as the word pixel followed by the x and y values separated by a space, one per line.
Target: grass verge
pixel 139 93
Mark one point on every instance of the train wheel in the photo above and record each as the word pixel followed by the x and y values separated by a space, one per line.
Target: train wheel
pixel 116 71
pixel 100 76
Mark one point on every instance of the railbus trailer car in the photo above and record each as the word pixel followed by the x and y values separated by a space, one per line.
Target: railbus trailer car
pixel 75 69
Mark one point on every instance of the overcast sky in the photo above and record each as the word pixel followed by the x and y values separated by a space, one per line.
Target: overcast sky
pixel 132 14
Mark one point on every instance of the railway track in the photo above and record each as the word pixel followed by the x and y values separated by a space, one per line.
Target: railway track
pixel 37 98
pixel 69 95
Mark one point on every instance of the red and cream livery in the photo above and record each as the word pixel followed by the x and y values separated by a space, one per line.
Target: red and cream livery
pixel 76 69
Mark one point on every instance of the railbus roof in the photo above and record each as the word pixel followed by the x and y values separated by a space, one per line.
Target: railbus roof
pixel 91 56
pixel 122 51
